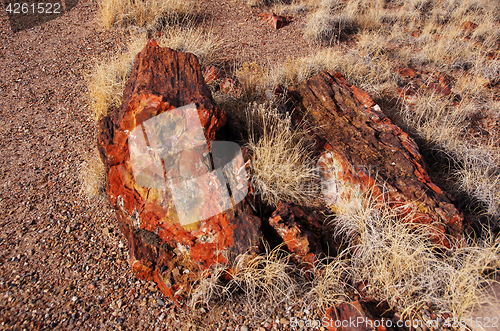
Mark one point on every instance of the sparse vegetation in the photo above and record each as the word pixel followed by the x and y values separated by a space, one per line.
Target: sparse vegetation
pixel 93 177
pixel 107 81
pixel 399 264
pixel 282 167
pixel 272 278
pixel 396 262
pixel 143 13
pixel 459 39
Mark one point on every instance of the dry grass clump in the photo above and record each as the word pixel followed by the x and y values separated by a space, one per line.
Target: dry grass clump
pixel 281 164
pixel 398 263
pixel 395 261
pixel 435 36
pixel 437 121
pixel 262 278
pixel 258 81
pixel 269 282
pixel 92 175
pixel 107 81
pixel 143 12
pixel 201 42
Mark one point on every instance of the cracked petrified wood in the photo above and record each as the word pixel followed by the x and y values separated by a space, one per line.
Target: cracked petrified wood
pixel 160 247
pixel 364 152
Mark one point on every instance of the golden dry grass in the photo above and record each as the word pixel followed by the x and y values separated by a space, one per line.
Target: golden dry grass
pixel 92 176
pixel 281 165
pixel 397 262
pixel 108 78
pixel 273 279
pixel 425 35
pixel 143 13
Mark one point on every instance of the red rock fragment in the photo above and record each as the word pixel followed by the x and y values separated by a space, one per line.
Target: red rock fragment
pixel 365 152
pixel 416 81
pixel 228 86
pixel 212 74
pixel 362 97
pixel 160 247
pixel 300 232
pixel 276 21
pixel 407 72
pixel 468 26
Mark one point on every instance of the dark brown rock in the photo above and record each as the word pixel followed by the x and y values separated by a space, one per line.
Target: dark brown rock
pixel 356 316
pixel 413 82
pixel 365 151
pixel 301 232
pixel 468 26
pixel 161 247
pixel 276 21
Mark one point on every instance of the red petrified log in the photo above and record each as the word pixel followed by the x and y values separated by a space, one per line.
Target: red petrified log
pixel 160 248
pixel 301 232
pixel 365 151
pixel 276 21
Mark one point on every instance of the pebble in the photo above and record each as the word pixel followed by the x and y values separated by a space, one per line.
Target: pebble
pixel 244 328
pixel 160 302
pixel 284 321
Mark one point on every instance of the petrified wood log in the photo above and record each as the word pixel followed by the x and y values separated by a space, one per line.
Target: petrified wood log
pixel 366 152
pixel 303 233
pixel 169 202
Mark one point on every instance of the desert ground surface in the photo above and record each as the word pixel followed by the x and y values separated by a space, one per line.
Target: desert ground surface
pixel 63 260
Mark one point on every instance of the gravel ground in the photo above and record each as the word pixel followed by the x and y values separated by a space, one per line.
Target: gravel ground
pixel 63 261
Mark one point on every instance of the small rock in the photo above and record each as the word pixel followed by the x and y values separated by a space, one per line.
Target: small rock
pixel 276 21
pixel 160 302
pixel 468 26
pixel 284 321
pixel 244 328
